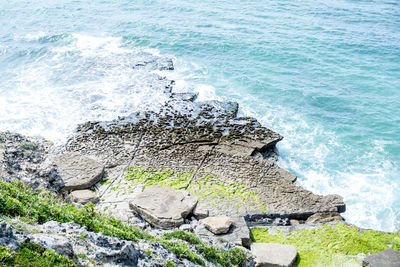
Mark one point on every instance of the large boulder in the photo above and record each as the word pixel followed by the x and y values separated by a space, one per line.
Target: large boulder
pixel 163 207
pixel 386 258
pixel 78 171
pixel 273 255
pixel 218 224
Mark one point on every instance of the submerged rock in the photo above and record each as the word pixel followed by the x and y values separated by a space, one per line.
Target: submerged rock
pixel 163 207
pixel 270 254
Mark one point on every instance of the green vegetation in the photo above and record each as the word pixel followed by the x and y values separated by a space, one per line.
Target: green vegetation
pixel 331 246
pixel 216 255
pixel 18 200
pixel 33 255
pixel 208 187
pixel 169 263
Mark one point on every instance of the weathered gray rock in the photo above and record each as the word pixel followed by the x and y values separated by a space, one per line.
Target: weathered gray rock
pixel 83 197
pixel 25 158
pixel 324 218
pixel 163 207
pixel 78 171
pixel 273 255
pixel 7 237
pixel 238 234
pixel 218 224
pixel 385 258
pixel 200 211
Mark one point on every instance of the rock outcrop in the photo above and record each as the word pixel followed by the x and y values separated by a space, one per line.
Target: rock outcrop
pixel 210 140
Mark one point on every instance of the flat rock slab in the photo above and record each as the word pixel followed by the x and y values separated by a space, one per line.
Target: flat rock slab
pixel 385 258
pixel 163 207
pixel 273 255
pixel 218 224
pixel 83 197
pixel 78 171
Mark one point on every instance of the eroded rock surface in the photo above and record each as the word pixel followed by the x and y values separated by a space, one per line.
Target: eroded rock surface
pixel 26 159
pixel 209 139
pixel 163 207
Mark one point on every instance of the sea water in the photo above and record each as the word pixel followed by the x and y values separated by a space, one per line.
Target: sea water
pixel 324 74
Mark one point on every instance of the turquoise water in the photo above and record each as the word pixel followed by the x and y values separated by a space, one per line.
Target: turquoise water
pixel 324 74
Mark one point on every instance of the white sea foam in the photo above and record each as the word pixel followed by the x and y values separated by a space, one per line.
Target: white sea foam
pixel 88 78
pixel 367 185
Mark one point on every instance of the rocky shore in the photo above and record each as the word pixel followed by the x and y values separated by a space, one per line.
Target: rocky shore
pixel 192 166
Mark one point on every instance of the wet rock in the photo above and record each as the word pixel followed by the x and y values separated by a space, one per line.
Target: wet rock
pixel 83 197
pixel 218 224
pixel 385 258
pixel 163 207
pixel 270 254
pixel 324 218
pixel 78 171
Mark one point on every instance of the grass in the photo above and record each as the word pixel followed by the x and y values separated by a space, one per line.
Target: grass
pixel 33 255
pixel 18 200
pixel 208 187
pixel 212 254
pixel 331 246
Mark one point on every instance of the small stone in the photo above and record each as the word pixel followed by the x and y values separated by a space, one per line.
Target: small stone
pixel 294 222
pixel 200 211
pixel 388 258
pixel 83 197
pixel 271 254
pixel 324 218
pixel 218 224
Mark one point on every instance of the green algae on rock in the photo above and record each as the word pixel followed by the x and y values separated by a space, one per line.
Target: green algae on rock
pixel 335 245
pixel 208 189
